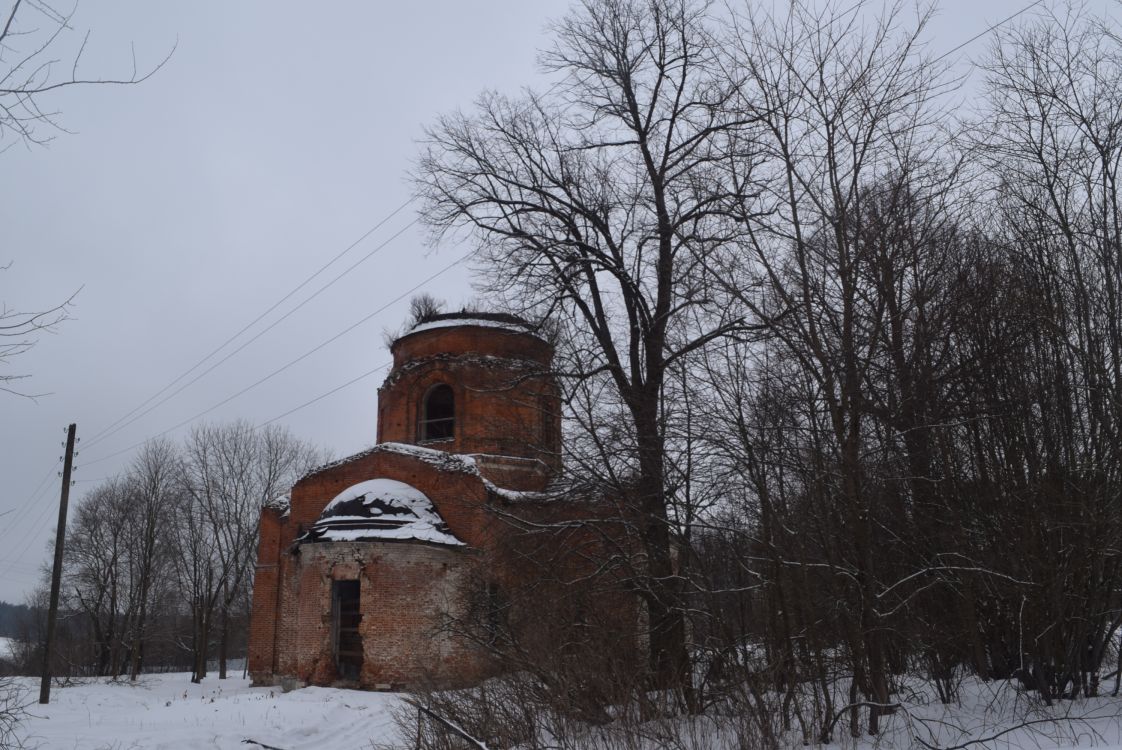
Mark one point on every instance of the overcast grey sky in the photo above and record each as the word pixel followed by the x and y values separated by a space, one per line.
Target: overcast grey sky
pixel 276 135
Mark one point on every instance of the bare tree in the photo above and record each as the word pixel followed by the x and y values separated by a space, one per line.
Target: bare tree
pixel 599 202
pixel 96 570
pixel 19 332
pixel 14 702
pixel 159 562
pixel 851 129
pixel 36 61
pixel 37 58
pixel 196 564
pixel 154 489
pixel 231 471
pixel 1050 140
pixel 910 461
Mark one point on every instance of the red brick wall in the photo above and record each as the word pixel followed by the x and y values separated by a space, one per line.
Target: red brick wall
pixel 409 589
pixel 406 588
pixel 497 342
pixel 266 579
pixel 406 592
pixel 504 405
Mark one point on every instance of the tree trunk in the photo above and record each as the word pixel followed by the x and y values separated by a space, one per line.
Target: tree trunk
pixel 669 658
pixel 223 643
pixel 202 642
pixel 137 643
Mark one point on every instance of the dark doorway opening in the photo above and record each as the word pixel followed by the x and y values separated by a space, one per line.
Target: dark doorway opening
pixel 346 616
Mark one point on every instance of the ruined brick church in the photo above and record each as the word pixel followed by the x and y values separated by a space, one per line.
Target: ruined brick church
pixel 361 564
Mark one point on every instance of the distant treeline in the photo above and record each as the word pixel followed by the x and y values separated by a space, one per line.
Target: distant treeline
pixel 12 617
pixel 159 560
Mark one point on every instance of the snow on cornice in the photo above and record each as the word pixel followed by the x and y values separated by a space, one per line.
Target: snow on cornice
pixel 281 503
pixel 443 461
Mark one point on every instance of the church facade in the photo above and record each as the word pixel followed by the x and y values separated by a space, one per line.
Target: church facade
pixel 362 566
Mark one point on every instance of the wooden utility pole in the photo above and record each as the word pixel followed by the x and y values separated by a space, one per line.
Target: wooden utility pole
pixel 56 573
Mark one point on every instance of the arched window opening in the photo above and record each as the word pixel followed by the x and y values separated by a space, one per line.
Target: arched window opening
pixel 438 414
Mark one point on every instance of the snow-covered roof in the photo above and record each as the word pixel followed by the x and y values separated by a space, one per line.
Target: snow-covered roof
pixel 480 319
pixel 479 322
pixel 381 509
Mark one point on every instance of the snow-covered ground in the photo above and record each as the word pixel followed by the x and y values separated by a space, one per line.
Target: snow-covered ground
pixel 7 647
pixel 997 716
pixel 167 711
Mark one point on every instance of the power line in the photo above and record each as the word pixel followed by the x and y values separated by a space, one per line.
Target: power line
pixel 19 567
pixel 31 537
pixel 113 427
pixel 28 504
pixel 106 434
pixel 322 396
pixel 284 367
pixel 46 509
pixel 253 322
pixel 15 565
pixel 331 392
pixel 981 34
pixel 121 422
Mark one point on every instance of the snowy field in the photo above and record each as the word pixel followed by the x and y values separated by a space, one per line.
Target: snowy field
pixel 167 711
pixel 998 716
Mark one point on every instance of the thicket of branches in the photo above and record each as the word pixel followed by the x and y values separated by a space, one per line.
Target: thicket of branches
pixel 159 561
pixel 849 362
pixel 40 56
